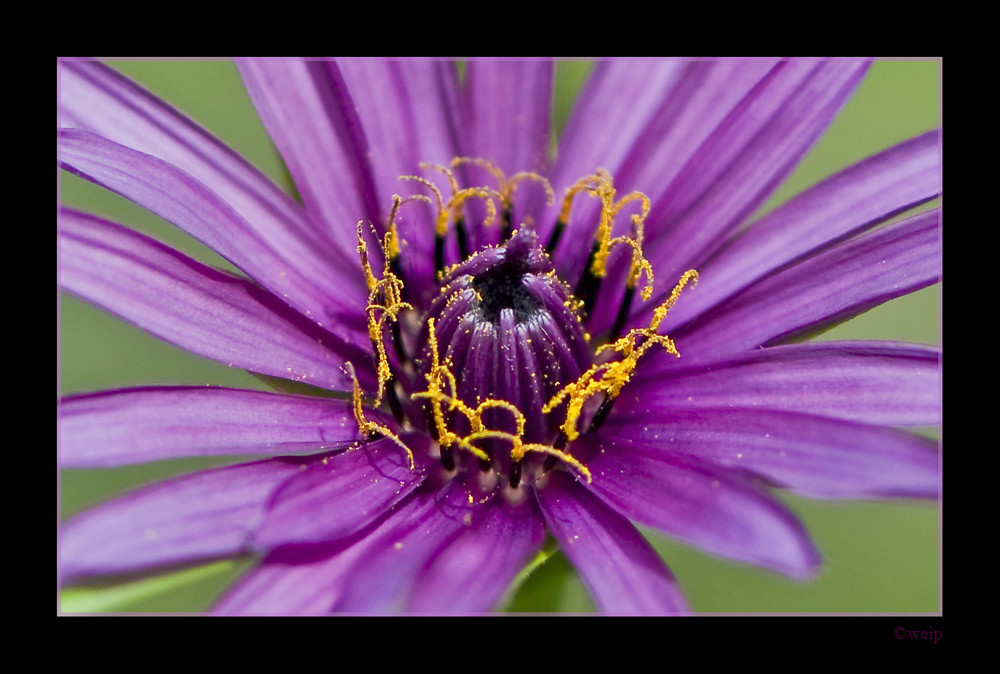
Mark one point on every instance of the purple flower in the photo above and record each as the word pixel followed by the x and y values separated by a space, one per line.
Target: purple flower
pixel 516 346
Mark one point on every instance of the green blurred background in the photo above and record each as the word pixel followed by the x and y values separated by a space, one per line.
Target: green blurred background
pixel 880 557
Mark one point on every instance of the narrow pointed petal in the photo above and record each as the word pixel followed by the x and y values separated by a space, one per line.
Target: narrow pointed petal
pixel 289 269
pixel 473 572
pixel 856 199
pixel 93 97
pixel 833 286
pixel 198 308
pixel 116 428
pixel 335 498
pixel 710 507
pixel 745 159
pixel 622 572
pixel 813 456
pixel 884 383
pixel 308 112
pixel 673 107
pixel 183 520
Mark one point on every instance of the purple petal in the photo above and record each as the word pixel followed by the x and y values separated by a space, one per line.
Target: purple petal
pixel 339 496
pixel 737 167
pixel 600 131
pixel 810 455
pixel 290 269
pixel 855 199
pixel 293 580
pixel 883 383
pixel 710 507
pixel 396 554
pixel 195 517
pixel 95 98
pixel 509 100
pixel 369 573
pixel 745 159
pixel 672 108
pixel 196 307
pixel 620 569
pixel 472 573
pixel 116 428
pixel 833 286
pixel 309 114
pixel 408 110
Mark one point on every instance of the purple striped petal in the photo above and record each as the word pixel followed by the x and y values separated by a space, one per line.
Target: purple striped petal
pixel 383 578
pixel 198 308
pixel 620 569
pixel 883 383
pixel 857 198
pixel 294 580
pixel 339 496
pixel 600 130
pixel 810 455
pixel 833 286
pixel 115 428
pixel 288 268
pixel 710 507
pixel 472 573
pixel 509 100
pixel 409 110
pixel 745 159
pixel 669 115
pixel 738 166
pixel 95 98
pixel 372 572
pixel 310 116
pixel 192 518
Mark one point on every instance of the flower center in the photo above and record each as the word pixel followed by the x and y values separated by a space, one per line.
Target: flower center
pixel 500 372
pixel 504 326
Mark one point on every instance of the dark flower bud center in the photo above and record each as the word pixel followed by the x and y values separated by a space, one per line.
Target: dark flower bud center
pixel 506 327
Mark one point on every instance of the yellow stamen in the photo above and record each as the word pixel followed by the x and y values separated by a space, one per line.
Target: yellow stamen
pixel 385 301
pixel 440 372
pixel 609 210
pixel 505 185
pixel 615 374
pixel 458 196
pixel 369 427
pixel 580 185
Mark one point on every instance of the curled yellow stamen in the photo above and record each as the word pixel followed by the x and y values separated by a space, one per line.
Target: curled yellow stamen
pixel 370 427
pixel 441 373
pixel 505 185
pixel 384 301
pixel 609 210
pixel 615 374
pixel 446 209
pixel 601 177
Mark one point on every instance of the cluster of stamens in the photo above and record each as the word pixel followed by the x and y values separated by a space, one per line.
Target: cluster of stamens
pixel 481 424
